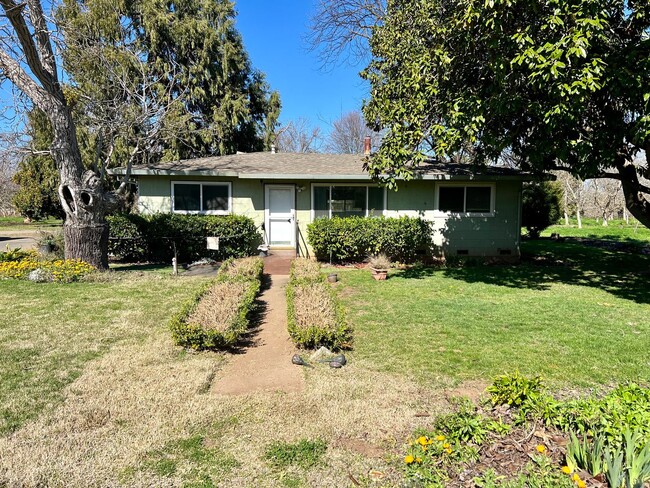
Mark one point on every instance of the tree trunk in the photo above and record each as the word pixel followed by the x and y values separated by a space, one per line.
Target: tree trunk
pixel 635 201
pixel 82 195
pixel 579 218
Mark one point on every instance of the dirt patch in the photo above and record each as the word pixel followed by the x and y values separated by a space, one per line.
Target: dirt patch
pixel 473 389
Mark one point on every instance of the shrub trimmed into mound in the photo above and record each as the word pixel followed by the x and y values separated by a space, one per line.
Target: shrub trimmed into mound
pixel 153 237
pixel 218 315
pixel 403 239
pixel 315 316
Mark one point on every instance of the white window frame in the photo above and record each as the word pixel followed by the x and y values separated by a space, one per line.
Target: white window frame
pixel 201 184
pixel 330 185
pixel 441 213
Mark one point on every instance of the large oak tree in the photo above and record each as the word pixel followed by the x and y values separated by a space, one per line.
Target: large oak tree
pixel 556 84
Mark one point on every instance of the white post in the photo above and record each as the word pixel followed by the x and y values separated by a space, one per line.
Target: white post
pixel 174 265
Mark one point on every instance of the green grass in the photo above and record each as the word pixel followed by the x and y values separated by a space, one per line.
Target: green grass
pixel 48 332
pixel 304 453
pixel 15 224
pixel 579 317
pixel 616 230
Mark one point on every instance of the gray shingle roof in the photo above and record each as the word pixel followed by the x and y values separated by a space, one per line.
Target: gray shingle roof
pixel 266 165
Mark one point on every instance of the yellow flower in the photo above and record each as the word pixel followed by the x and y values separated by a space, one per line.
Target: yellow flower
pixel 448 450
pixel 582 484
pixel 409 459
pixel 418 460
pixel 566 470
pixel 575 477
pixel 446 445
pixel 422 440
pixel 541 448
pixel 440 438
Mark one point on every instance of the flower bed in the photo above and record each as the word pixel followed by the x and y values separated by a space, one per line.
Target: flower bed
pixel 315 316
pixel 218 315
pixel 24 265
pixel 526 437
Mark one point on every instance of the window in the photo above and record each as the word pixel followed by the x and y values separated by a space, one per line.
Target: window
pixel 208 198
pixel 347 200
pixel 474 199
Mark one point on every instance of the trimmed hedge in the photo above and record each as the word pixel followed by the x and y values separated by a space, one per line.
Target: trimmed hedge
pixel 152 237
pixel 353 239
pixel 195 336
pixel 315 316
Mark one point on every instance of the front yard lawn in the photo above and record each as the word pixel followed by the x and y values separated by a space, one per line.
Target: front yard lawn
pixel 576 315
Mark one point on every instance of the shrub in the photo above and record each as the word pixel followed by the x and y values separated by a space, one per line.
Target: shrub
pixel 126 240
pixel 153 237
pixel 315 316
pixel 541 206
pixel 305 269
pixel 218 314
pixel 403 239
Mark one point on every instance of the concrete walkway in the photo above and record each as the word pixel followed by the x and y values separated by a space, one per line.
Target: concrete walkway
pixel 266 364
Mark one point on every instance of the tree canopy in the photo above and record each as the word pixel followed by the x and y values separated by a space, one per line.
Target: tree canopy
pixel 558 84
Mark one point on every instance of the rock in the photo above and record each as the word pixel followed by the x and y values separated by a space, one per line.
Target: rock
pixel 322 353
pixel 39 275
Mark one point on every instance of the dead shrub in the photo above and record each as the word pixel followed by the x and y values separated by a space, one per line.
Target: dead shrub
pixel 246 268
pixel 305 269
pixel 315 317
pixel 219 306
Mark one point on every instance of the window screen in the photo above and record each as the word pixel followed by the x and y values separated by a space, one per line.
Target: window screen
pixel 187 197
pixel 451 199
pixel 479 199
pixel 215 197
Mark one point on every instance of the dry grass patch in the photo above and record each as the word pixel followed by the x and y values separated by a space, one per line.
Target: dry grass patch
pixel 219 307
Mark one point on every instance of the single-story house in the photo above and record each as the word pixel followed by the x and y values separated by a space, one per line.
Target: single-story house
pixel 474 214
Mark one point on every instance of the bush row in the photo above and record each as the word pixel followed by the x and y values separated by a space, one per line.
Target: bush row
pixel 218 314
pixel 315 316
pixel 153 237
pixel 403 239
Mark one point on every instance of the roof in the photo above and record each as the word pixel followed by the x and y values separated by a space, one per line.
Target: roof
pixel 308 166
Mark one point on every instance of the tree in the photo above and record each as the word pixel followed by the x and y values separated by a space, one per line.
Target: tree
pixel 562 85
pixel 605 198
pixel 145 82
pixel 574 195
pixel 348 134
pixel 541 206
pixel 8 163
pixel 299 136
pixel 343 28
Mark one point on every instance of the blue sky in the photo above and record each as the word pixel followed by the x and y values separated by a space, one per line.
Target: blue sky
pixel 273 34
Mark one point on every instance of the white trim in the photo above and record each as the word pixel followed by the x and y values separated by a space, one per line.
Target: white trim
pixel 267 213
pixel 201 184
pixel 441 214
pixel 330 185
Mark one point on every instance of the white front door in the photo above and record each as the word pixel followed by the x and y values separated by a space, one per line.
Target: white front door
pixel 281 215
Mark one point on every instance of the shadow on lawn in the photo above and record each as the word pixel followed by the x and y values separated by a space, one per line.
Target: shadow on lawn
pixel 544 262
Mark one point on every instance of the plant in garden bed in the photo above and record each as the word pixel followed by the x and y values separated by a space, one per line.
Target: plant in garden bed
pixel 21 264
pixel 218 314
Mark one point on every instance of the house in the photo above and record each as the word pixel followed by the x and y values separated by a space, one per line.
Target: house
pixel 474 214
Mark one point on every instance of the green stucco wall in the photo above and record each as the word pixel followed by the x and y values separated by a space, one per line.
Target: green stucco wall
pixel 494 235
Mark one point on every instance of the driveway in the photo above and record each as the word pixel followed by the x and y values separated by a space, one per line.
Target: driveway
pixel 13 239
